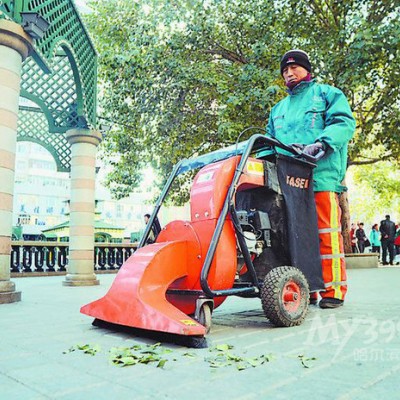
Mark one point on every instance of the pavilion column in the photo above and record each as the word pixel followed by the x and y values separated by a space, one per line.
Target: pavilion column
pixel 84 144
pixel 15 46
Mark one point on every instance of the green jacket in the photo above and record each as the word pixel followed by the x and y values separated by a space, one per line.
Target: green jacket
pixel 316 113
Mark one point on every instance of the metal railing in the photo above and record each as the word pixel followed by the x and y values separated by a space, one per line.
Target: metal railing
pixel 47 257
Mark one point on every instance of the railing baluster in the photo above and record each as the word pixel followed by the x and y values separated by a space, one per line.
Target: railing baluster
pixel 119 257
pixel 29 256
pixel 62 258
pixel 51 258
pixel 96 258
pixel 15 258
pixel 111 258
pixel 39 258
pixel 102 258
pixel 128 252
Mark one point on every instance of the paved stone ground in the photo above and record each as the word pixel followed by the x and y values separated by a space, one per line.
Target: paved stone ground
pixel 349 353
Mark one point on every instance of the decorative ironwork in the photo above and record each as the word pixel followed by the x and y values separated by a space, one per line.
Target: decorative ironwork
pixel 61 75
pixel 33 127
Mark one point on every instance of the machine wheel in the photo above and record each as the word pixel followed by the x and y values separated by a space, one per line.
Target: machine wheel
pixel 197 342
pixel 205 316
pixel 284 296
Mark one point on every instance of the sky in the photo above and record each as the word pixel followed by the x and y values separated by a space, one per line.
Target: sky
pixel 81 5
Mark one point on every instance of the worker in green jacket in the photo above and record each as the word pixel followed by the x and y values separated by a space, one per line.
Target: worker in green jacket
pixel 319 117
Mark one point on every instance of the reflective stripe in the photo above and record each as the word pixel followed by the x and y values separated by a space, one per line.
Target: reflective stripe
pixel 341 283
pixel 331 244
pixel 332 256
pixel 329 230
pixel 336 266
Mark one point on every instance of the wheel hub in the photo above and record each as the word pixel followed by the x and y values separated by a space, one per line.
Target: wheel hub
pixel 291 296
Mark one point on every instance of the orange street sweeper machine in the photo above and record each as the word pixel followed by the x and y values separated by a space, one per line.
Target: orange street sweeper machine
pixel 252 233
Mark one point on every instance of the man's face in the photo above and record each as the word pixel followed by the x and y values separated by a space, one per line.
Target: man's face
pixel 294 73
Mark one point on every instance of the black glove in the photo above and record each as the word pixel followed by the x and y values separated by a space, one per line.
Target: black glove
pixel 313 149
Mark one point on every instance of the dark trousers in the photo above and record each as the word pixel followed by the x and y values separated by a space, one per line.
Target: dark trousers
pixel 376 249
pixel 361 246
pixel 387 245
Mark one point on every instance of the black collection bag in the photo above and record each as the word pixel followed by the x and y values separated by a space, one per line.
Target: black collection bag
pixel 296 182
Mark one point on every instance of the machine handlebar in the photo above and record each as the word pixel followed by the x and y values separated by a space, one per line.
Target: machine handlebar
pixel 299 150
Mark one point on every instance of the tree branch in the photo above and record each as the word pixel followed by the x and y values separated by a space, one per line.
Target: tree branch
pixel 319 13
pixel 370 161
pixel 332 10
pixel 227 54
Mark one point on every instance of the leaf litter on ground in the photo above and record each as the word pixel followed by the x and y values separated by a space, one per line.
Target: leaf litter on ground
pixel 221 355
pixel 137 354
pixel 86 348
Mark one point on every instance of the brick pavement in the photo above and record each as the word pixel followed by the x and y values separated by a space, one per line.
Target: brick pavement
pixel 356 349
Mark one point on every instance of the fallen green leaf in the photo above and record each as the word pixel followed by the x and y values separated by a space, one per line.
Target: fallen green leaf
pixel 70 350
pixel 86 348
pixel 127 361
pixel 223 347
pixel 240 366
pixel 254 362
pixel 304 360
pixel 189 355
pixel 161 363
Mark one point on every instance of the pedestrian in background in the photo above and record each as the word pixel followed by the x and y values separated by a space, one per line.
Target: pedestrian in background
pixel 155 228
pixel 388 231
pixel 361 237
pixel 374 239
pixel 353 238
pixel 397 245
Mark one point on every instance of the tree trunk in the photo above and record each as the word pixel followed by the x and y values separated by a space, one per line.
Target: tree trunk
pixel 344 205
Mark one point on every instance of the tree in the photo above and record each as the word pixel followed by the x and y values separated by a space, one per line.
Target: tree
pixel 181 78
pixel 374 198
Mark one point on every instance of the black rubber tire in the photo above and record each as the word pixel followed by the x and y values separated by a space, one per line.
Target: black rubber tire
pixel 271 296
pixel 205 317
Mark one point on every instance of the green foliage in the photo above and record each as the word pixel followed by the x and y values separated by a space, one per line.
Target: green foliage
pixel 181 78
pixel 375 193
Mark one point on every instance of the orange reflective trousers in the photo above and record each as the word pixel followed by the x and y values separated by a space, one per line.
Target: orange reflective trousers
pixel 331 245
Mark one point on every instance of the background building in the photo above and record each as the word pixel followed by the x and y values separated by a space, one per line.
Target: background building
pixel 42 195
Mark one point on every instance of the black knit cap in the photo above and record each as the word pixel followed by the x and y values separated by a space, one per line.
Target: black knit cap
pixel 298 57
